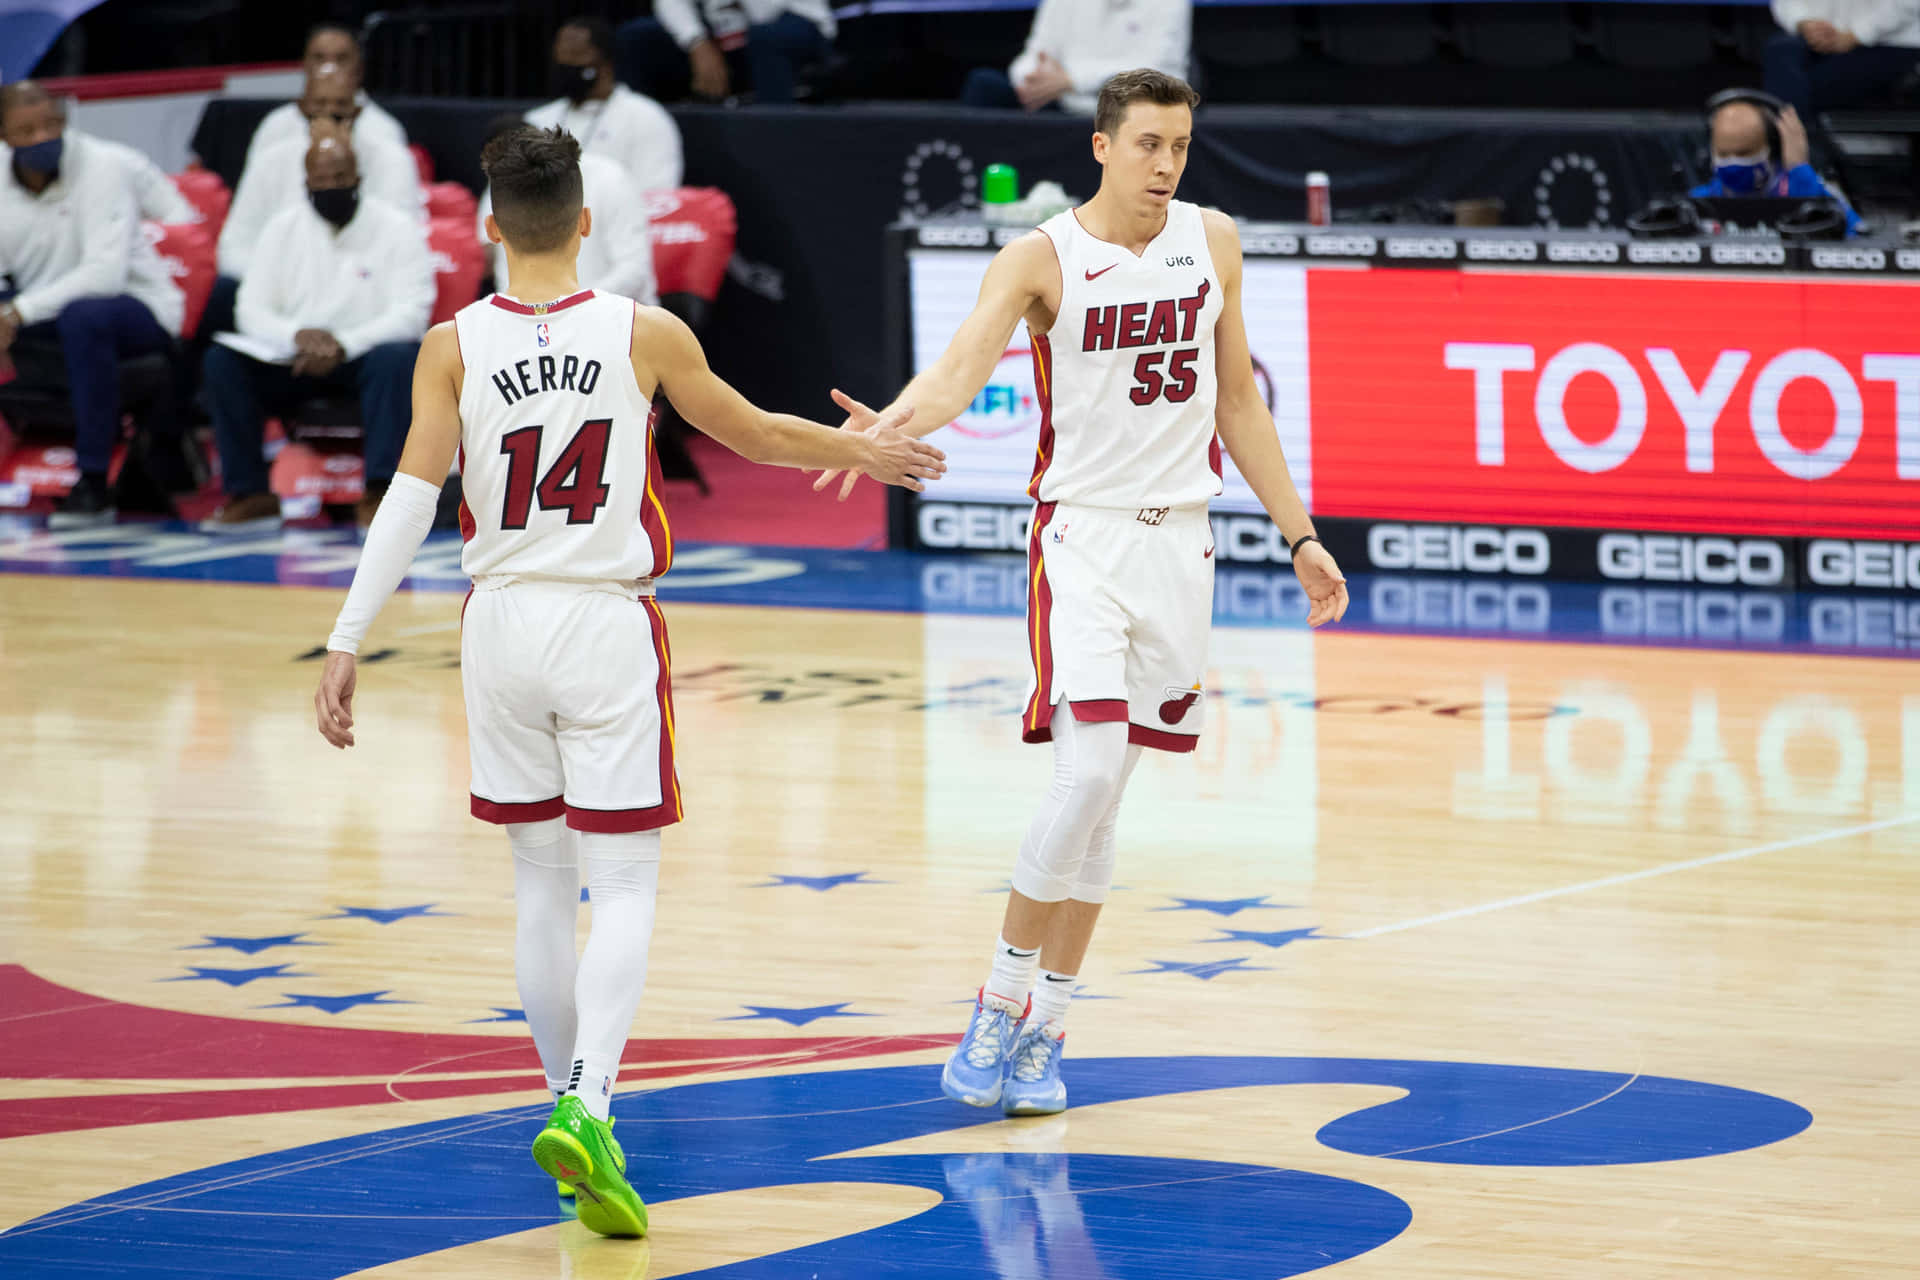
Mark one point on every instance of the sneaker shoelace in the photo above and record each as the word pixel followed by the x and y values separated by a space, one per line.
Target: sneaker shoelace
pixel 1032 1054
pixel 986 1037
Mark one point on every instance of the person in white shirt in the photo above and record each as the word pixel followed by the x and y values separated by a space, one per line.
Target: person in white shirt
pixel 338 306
pixel 608 118
pixel 618 256
pixel 329 45
pixel 1076 46
pixel 702 46
pixel 154 193
pixel 91 289
pixel 1841 53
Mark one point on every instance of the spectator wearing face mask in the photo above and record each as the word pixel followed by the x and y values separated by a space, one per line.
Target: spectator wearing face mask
pixel 339 305
pixel 609 119
pixel 329 46
pixel 1841 53
pixel 703 46
pixel 91 289
pixel 617 254
pixel 1744 163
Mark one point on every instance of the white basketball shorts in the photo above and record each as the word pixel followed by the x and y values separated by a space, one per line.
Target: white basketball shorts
pixel 569 706
pixel 1119 604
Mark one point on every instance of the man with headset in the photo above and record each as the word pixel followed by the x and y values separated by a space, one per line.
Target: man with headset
pixel 1760 149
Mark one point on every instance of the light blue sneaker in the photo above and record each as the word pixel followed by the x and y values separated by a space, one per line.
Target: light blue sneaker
pixel 1033 1086
pixel 979 1063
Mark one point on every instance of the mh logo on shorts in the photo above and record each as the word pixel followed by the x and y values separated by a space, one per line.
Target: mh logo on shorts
pixel 542 335
pixel 1179 702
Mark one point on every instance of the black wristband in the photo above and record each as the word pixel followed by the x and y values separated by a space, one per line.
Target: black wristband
pixel 1294 549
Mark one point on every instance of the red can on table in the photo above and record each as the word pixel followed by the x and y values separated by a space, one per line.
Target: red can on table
pixel 1319 199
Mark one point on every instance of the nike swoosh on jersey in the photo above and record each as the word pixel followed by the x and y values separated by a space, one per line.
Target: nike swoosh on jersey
pixel 1094 275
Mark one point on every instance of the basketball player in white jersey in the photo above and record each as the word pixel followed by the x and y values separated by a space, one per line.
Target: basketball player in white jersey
pixel 1141 361
pixel 547 396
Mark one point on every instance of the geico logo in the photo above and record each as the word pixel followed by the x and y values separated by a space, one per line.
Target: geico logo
pixel 1669 613
pixel 1280 244
pixel 1749 255
pixel 1907 259
pixel 1664 255
pixel 1350 246
pixel 1422 247
pixel 1257 595
pixel 1877 624
pixel 1502 251
pixel 1455 605
pixel 1662 557
pixel 1698 406
pixel 1844 259
pixel 1835 563
pixel 1451 549
pixel 1582 251
pixel 971 528
pixel 965 584
pixel 947 237
pixel 1249 540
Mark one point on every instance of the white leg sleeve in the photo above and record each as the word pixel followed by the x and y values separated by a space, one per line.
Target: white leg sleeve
pixel 546 899
pixel 1089 761
pixel 1096 869
pixel 623 877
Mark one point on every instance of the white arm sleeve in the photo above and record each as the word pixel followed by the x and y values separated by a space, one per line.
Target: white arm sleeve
pixel 398 529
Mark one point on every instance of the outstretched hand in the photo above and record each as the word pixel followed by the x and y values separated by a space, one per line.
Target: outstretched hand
pixel 333 701
pixel 1326 586
pixel 900 458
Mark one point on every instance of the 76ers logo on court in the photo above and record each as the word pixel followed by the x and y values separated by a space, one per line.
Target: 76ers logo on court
pixel 1179 702
pixel 542 335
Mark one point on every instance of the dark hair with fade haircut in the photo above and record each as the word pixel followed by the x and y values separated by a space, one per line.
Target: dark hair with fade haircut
pixel 598 30
pixel 1142 85
pixel 23 93
pixel 535 175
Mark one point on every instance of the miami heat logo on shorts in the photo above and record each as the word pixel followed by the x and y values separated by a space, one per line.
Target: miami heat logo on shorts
pixel 1179 702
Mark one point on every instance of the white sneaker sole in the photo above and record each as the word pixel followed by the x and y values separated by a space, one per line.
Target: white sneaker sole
pixel 959 1093
pixel 242 526
pixel 67 520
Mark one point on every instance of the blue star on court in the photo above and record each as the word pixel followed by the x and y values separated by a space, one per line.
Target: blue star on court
pixel 387 915
pixel 1227 906
pixel 503 1015
pixel 251 946
pixel 1277 938
pixel 235 977
pixel 819 884
pixel 332 1004
pixel 1205 970
pixel 796 1017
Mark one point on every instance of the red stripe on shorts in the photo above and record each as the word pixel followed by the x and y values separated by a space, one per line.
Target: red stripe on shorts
pixel 534 811
pixel 1036 725
pixel 1100 711
pixel 1160 740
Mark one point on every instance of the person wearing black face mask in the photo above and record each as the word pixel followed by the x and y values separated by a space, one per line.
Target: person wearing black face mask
pixel 338 306
pixel 91 290
pixel 1747 163
pixel 607 118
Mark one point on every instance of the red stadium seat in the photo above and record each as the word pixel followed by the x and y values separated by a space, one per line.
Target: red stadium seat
pixel 693 230
pixel 451 200
pixel 189 250
pixel 206 192
pixel 424 163
pixel 458 264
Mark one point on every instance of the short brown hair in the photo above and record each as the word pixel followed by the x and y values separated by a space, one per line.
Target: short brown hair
pixel 535 176
pixel 1142 85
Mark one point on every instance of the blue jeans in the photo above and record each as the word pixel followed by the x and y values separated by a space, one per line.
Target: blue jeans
pixel 242 392
pixel 992 87
pixel 93 335
pixel 650 61
pixel 1814 82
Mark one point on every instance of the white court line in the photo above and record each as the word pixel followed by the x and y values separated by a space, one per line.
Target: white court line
pixel 1732 855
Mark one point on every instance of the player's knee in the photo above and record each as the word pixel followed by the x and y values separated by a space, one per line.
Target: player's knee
pixel 623 864
pixel 1033 879
pixel 543 844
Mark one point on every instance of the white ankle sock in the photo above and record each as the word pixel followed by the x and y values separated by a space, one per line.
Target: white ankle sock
pixel 1051 995
pixel 1012 974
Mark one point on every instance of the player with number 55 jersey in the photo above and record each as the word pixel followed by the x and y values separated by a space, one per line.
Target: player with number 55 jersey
pixel 546 398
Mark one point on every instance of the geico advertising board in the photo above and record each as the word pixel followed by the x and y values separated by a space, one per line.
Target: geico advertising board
pixel 1785 407
pixel 991 446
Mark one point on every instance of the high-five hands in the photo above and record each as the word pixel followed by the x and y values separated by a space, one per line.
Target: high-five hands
pixel 898 458
pixel 1325 585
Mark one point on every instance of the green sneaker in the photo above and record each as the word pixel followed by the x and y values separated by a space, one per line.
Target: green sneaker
pixel 580 1151
pixel 564 1191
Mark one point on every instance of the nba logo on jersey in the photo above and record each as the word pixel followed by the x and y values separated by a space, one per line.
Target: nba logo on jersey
pixel 542 335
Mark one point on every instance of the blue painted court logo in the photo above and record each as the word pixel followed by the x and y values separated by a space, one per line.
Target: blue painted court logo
pixel 381 1197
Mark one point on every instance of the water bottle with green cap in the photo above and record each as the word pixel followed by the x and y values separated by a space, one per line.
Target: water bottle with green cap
pixel 999 191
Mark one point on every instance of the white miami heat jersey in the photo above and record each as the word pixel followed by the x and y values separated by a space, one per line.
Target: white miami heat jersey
pixel 556 443
pixel 1126 375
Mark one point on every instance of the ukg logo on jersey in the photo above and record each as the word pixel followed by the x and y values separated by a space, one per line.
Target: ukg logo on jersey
pixel 1008 405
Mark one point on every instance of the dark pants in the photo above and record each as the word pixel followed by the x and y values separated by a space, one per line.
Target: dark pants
pixel 991 87
pixel 776 51
pixel 242 392
pixel 81 349
pixel 1815 82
